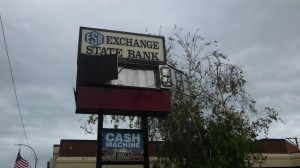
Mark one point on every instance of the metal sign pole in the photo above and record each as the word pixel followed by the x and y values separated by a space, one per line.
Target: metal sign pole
pixel 99 141
pixel 144 121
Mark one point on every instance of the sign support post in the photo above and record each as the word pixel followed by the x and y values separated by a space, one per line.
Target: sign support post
pixel 144 122
pixel 99 140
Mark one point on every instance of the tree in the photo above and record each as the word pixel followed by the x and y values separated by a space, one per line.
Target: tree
pixel 217 125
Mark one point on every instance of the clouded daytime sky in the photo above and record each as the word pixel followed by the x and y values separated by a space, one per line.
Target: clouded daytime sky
pixel 42 39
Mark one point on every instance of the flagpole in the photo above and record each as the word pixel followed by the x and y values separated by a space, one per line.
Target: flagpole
pixel 36 159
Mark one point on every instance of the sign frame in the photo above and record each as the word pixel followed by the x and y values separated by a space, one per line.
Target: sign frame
pixel 122 60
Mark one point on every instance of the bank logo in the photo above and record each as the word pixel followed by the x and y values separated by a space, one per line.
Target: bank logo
pixel 94 38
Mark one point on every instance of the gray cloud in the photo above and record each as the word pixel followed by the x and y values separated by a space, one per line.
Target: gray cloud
pixel 42 39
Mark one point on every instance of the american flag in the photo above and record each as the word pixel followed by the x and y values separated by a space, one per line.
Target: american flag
pixel 20 162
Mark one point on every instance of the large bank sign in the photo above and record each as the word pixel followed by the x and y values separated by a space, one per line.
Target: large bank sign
pixel 122 145
pixel 129 47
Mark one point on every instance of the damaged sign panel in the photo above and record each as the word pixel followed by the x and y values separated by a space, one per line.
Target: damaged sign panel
pixel 172 78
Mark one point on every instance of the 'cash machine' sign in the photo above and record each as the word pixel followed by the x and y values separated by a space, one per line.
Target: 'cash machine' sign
pixel 122 145
pixel 129 47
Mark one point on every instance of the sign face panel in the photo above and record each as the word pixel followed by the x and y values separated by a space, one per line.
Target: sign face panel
pixel 129 47
pixel 144 78
pixel 172 78
pixel 122 145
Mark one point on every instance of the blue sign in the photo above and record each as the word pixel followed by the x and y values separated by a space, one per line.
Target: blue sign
pixel 122 145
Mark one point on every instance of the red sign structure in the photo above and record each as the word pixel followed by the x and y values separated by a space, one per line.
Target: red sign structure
pixel 116 82
pixel 123 100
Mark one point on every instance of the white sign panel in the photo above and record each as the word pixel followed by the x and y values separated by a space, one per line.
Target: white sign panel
pixel 135 78
pixel 172 78
pixel 128 46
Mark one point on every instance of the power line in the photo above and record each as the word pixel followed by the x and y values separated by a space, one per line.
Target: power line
pixel 13 82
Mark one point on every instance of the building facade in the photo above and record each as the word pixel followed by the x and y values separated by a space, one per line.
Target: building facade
pixel 280 153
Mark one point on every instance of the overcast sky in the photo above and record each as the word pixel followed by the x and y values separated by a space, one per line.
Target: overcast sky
pixel 42 39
